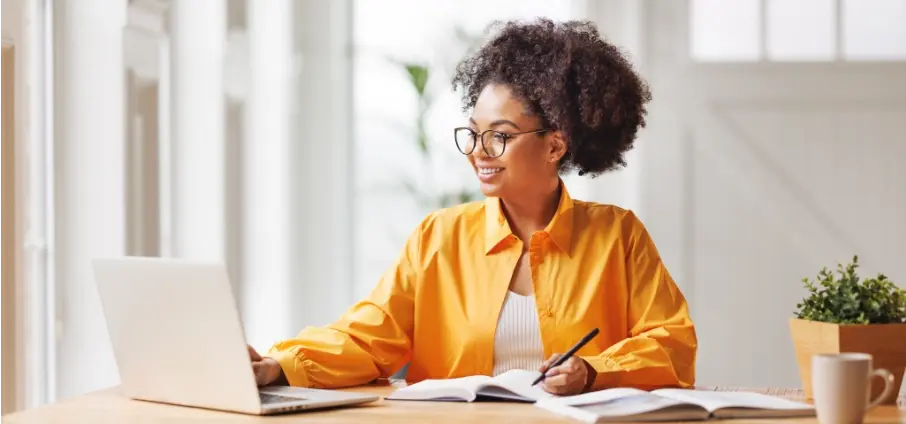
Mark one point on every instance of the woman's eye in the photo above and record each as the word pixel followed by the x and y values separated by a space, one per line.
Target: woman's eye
pixel 500 137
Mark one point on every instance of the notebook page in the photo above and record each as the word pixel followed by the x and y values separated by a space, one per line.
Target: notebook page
pixel 520 383
pixel 623 405
pixel 427 389
pixel 718 400
pixel 599 396
pixel 635 407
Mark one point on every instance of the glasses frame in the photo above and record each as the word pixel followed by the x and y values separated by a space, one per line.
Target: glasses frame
pixel 480 136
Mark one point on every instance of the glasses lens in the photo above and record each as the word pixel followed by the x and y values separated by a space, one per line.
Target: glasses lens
pixel 465 140
pixel 494 143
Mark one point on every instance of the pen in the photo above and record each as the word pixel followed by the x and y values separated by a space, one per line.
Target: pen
pixel 568 354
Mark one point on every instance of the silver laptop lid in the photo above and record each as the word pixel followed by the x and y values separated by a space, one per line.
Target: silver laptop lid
pixel 176 332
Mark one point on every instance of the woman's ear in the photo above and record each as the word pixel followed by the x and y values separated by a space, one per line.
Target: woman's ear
pixel 558 146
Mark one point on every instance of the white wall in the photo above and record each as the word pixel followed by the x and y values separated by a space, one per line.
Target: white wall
pixel 89 183
pixel 743 180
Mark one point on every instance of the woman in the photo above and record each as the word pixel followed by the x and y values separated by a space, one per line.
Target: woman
pixel 506 283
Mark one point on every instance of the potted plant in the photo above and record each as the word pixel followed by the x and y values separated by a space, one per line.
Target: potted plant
pixel 843 313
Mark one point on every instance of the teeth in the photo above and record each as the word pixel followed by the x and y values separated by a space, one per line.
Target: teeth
pixel 489 171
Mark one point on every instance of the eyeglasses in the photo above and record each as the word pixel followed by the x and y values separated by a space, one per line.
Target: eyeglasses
pixel 492 142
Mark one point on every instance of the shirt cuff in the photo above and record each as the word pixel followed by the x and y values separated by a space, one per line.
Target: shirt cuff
pixel 608 371
pixel 292 366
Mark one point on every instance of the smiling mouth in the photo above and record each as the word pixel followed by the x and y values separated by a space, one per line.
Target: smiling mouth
pixel 489 171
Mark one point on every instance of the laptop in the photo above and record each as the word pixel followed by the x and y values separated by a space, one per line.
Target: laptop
pixel 177 339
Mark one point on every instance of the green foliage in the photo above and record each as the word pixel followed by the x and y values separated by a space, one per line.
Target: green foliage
pixel 418 79
pixel 418 76
pixel 850 300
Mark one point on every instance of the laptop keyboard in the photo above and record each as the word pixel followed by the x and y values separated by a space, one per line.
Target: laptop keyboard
pixel 267 398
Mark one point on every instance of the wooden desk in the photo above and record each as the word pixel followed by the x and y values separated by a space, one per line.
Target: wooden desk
pixel 109 406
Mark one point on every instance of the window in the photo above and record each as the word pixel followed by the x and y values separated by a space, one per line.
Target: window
pixel 800 30
pixel 874 29
pixel 725 30
pixel 797 31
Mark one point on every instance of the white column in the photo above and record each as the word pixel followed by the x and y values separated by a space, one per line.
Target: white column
pixel 197 116
pixel 39 373
pixel 266 165
pixel 321 164
pixel 89 184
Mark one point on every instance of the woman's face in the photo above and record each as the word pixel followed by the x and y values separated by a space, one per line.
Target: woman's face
pixel 529 161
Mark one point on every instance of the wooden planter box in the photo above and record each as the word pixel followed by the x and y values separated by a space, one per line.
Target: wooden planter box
pixel 885 342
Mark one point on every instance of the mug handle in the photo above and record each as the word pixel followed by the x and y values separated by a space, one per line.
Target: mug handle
pixel 888 386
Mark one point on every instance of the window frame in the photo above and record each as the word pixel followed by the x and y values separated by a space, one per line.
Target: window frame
pixel 839 54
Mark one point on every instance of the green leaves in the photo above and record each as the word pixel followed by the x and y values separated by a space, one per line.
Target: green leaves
pixel 418 76
pixel 849 300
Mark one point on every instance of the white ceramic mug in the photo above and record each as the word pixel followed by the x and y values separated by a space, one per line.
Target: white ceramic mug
pixel 841 389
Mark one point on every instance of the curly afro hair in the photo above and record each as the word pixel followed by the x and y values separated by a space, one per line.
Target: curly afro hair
pixel 572 79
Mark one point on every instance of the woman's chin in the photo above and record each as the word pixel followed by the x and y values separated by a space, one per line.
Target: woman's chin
pixel 489 189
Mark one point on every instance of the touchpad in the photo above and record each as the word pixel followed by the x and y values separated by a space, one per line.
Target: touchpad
pixel 293 392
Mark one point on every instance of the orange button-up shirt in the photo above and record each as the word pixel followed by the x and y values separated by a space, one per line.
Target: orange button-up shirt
pixel 437 306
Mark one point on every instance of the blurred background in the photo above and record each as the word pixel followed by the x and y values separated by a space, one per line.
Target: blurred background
pixel 301 141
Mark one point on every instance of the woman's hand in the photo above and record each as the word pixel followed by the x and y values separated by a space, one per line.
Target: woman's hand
pixel 267 370
pixel 569 378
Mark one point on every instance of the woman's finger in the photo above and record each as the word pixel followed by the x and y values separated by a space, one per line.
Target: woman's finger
pixel 561 384
pixel 546 364
pixel 259 373
pixel 571 365
pixel 556 382
pixel 554 371
pixel 253 355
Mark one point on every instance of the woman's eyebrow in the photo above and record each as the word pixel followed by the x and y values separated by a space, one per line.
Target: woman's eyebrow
pixel 500 122
pixel 497 123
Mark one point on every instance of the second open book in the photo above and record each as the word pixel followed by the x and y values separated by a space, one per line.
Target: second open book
pixel 618 404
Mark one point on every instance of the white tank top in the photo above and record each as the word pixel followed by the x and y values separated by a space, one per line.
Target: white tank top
pixel 517 341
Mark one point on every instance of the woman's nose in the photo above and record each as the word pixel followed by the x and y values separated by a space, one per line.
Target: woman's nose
pixel 478 152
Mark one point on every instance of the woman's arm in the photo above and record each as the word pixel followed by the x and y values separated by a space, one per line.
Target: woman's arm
pixel 661 347
pixel 372 339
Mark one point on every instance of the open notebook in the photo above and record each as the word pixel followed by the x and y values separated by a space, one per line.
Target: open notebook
pixel 624 404
pixel 511 385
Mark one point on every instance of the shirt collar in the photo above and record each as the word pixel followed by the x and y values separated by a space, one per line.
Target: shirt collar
pixel 560 229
